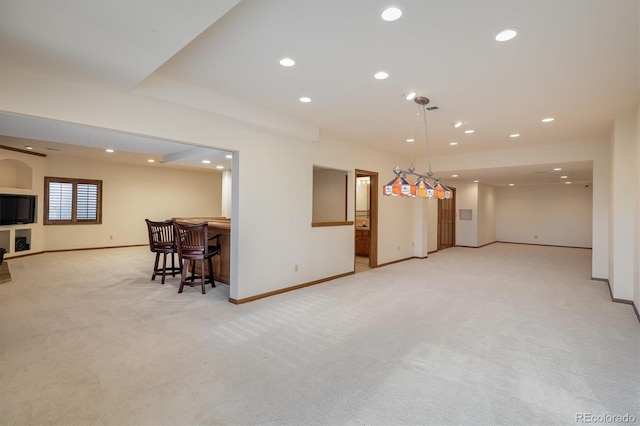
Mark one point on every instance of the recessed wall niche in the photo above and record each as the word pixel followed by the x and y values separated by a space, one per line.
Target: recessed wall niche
pixel 329 195
pixel 15 174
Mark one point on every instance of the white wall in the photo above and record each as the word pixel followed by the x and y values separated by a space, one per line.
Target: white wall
pixel 466 197
pixel 558 215
pixel 623 208
pixel 594 150
pixel 278 214
pixel 272 179
pixel 636 182
pixel 432 225
pixel 486 214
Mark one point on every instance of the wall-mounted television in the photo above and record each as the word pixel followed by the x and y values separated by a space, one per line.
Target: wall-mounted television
pixel 17 209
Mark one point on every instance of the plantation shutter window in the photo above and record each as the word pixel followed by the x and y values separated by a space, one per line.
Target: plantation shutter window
pixel 71 201
pixel 87 202
pixel 60 200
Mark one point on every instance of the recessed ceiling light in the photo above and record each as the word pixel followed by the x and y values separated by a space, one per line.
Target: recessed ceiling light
pixel 109 150
pixel 206 161
pixel 454 175
pixel 512 184
pixel 453 143
pixel 151 160
pixel 557 169
pixel 506 34
pixel 469 131
pixel 28 147
pixel 476 181
pixel 410 95
pixel 456 124
pixel 219 167
pixel 305 99
pixel 228 156
pixel 381 75
pixel 287 62
pixel 514 135
pixel 548 120
pixel 564 177
pixel 391 14
pixel 568 183
pixel 411 140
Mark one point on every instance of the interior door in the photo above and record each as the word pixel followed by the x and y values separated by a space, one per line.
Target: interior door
pixel 370 242
pixel 447 221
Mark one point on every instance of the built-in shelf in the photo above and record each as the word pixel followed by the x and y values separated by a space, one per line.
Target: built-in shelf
pixel 15 240
pixel 5 240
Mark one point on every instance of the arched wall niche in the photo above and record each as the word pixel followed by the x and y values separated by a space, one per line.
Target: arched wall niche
pixel 15 174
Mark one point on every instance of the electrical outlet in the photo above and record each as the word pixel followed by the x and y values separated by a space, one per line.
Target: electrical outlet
pixel 111 237
pixel 295 268
pixel 398 248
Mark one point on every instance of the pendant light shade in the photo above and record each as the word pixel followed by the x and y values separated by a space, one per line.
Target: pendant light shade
pixel 423 189
pixel 401 187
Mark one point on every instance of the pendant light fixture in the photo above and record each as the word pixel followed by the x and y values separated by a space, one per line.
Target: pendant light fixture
pixel 400 186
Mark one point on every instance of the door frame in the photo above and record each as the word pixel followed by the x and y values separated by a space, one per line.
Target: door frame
pixel 453 208
pixel 373 214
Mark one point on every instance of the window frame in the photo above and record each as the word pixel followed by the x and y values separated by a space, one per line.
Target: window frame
pixel 74 220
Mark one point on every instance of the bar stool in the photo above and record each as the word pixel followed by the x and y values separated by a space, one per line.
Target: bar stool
pixel 162 241
pixel 194 244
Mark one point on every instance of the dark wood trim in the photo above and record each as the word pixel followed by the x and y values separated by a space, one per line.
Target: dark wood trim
pixel 397 261
pixel 96 248
pixel 346 195
pixel 63 250
pixel 613 299
pixel 432 251
pixel 484 245
pixel 22 151
pixel 286 289
pixel 455 220
pixel 20 255
pixel 543 245
pixel 373 214
pixel 320 224
pixel 74 191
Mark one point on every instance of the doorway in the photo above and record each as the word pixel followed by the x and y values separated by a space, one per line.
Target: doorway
pixel 447 221
pixel 366 220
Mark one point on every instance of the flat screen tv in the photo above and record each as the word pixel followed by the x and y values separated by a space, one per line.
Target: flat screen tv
pixel 17 209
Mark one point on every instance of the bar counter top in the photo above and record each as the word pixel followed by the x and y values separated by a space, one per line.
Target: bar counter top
pixel 222 226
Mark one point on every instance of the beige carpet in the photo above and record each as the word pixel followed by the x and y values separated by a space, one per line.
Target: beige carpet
pixel 505 334
pixel 5 273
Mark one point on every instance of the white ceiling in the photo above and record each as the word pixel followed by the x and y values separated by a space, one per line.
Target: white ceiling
pixel 574 60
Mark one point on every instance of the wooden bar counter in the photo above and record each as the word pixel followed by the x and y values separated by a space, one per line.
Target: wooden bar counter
pixel 222 226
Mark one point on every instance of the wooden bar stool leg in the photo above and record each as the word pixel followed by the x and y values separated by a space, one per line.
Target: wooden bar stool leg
pixel 202 276
pixel 211 272
pixel 155 267
pixel 164 266
pixel 183 277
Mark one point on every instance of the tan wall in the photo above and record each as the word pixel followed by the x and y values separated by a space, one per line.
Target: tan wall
pixel 129 195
